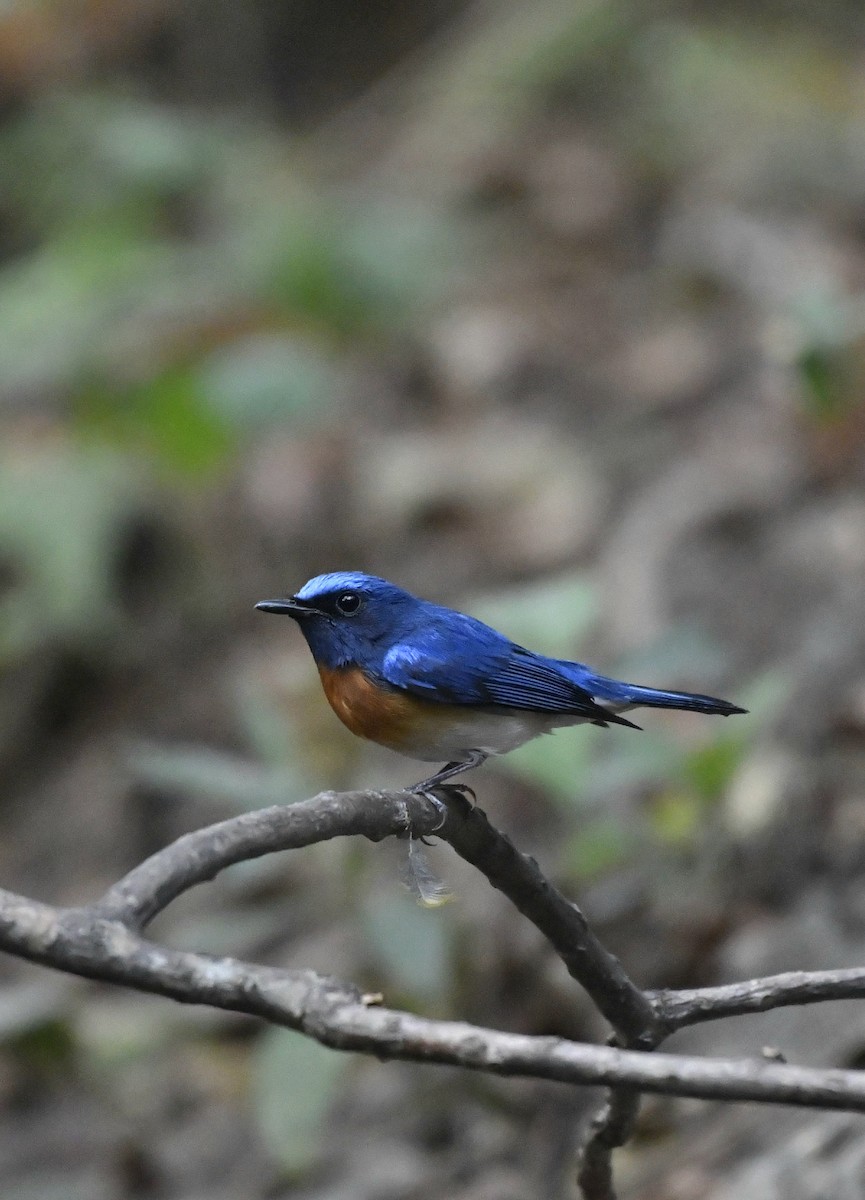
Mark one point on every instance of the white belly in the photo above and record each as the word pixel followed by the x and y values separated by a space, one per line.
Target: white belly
pixel 491 733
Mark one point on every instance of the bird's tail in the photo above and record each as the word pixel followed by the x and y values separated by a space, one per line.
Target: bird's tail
pixel 611 691
pixel 628 695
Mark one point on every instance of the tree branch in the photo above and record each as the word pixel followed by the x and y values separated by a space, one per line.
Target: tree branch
pixel 103 941
pixel 85 943
pixel 200 856
pixel 612 1127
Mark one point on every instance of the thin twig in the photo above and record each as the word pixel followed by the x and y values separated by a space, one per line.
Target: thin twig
pixel 694 1006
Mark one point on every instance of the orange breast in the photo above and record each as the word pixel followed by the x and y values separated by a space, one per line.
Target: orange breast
pixel 389 718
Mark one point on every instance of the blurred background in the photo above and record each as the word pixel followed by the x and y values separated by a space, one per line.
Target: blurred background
pixel 554 312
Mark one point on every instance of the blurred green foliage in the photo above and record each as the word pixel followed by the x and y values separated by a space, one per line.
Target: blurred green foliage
pixel 167 420
pixel 206 774
pixel 295 1084
pixel 598 845
pixel 151 235
pixel 49 1048
pixel 412 946
pixel 696 778
pixel 61 508
pixel 180 283
pixel 828 335
pixel 549 615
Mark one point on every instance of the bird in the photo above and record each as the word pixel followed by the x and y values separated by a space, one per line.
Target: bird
pixel 438 685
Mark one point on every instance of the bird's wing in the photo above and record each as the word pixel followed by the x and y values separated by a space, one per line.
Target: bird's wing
pixel 473 665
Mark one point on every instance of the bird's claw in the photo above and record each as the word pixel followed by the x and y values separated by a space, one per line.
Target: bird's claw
pixel 439 805
pixel 429 793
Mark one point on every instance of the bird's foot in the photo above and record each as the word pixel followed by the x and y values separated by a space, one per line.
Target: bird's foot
pixel 463 789
pixel 439 805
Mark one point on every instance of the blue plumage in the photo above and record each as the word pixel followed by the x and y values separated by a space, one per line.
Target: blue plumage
pixel 474 665
pixel 411 659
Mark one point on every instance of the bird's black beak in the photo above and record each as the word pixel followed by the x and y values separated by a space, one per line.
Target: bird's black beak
pixel 293 608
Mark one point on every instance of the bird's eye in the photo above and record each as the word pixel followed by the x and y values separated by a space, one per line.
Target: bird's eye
pixel 348 603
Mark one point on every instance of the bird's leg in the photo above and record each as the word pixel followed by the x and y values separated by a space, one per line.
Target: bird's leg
pixel 449 770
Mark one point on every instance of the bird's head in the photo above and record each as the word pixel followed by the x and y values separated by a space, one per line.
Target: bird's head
pixel 348 617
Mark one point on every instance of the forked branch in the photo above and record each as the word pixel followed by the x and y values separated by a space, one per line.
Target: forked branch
pixel 104 941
